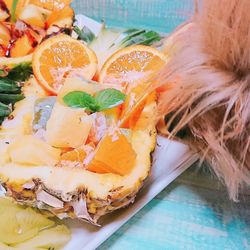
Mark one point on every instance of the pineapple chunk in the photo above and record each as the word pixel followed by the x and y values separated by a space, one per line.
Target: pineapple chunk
pixel 4 35
pixel 32 15
pixel 77 84
pixel 68 127
pixel 28 150
pixel 53 238
pixel 9 229
pixel 21 47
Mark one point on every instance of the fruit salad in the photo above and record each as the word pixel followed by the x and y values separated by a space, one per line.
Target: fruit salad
pixel 78 116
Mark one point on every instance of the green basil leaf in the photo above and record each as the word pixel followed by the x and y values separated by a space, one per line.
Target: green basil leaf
pixel 80 99
pixel 109 98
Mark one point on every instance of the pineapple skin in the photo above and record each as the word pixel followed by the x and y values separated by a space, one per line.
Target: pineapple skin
pixel 63 194
pixel 80 204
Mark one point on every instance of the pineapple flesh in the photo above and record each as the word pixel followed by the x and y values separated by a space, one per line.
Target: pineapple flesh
pixel 36 178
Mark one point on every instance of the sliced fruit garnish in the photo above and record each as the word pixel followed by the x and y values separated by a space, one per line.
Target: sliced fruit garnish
pixel 61 18
pixel 51 4
pixel 53 238
pixel 114 154
pixel 59 57
pixel 32 15
pixel 29 219
pixel 10 232
pixel 4 35
pixel 21 47
pixel 132 65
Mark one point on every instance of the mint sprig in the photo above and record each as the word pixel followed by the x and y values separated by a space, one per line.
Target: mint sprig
pixel 103 100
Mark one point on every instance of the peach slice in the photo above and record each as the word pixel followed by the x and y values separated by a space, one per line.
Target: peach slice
pixel 114 154
pixel 21 47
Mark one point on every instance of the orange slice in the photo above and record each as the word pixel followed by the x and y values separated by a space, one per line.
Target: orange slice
pixel 59 57
pixel 132 65
pixel 51 4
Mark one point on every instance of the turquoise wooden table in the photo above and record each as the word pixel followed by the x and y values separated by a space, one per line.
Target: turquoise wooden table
pixel 194 211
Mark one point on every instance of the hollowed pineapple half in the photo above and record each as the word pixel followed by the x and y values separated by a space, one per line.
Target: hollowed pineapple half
pixel 53 159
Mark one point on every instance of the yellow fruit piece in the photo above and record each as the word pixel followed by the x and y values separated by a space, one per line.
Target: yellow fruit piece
pixel 51 4
pixel 76 155
pixel 10 231
pixel 29 219
pixel 21 47
pixel 62 18
pixel 132 65
pixel 53 238
pixel 4 35
pixel 30 151
pixel 19 224
pixel 68 127
pixel 77 84
pixel 114 155
pixel 59 57
pixel 32 15
pixel 7 204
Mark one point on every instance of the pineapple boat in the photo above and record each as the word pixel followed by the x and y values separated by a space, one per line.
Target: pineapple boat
pixel 78 148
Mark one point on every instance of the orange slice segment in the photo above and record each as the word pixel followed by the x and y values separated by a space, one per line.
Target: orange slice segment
pixel 132 65
pixel 51 4
pixel 59 57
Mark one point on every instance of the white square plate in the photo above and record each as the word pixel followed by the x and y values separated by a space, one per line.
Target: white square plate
pixel 170 159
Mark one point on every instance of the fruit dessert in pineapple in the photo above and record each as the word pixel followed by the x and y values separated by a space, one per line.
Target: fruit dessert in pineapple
pixel 73 157
pixel 24 24
pixel 76 147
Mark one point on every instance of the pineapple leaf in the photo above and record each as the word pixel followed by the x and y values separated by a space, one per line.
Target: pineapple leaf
pixel 84 34
pixel 21 72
